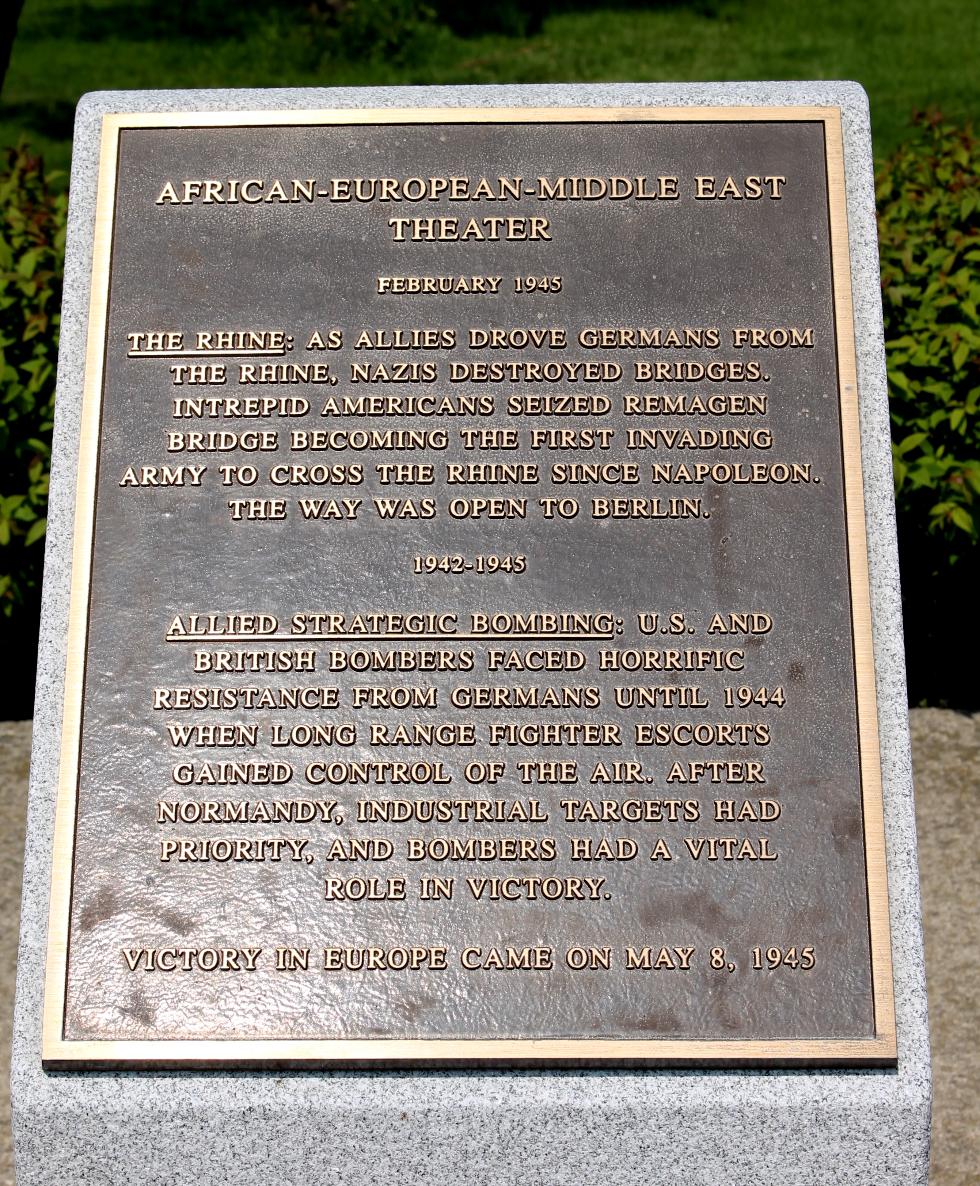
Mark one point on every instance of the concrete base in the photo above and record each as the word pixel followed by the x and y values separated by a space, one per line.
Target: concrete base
pixel 768 1128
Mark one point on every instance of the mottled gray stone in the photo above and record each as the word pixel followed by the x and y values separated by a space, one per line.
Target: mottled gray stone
pixel 460 1128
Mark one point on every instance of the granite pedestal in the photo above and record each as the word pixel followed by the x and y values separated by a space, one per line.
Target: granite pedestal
pixel 866 1126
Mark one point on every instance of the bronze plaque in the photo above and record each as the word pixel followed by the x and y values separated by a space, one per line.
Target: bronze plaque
pixel 470 653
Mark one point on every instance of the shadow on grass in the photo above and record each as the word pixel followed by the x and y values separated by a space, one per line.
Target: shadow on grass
pixel 525 18
pixel 217 20
pixel 18 643
pixel 145 20
pixel 53 118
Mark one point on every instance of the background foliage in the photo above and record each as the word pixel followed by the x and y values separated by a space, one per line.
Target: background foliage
pixel 929 230
pixel 32 245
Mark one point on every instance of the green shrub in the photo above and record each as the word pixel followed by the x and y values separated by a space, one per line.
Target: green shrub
pixel 929 226
pixel 32 244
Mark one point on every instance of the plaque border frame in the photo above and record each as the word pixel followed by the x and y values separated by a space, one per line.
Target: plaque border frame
pixel 880 1049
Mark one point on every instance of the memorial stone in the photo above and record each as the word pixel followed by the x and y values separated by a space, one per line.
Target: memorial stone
pixel 471 736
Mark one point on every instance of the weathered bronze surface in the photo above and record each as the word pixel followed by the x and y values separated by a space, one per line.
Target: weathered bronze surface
pixel 470 653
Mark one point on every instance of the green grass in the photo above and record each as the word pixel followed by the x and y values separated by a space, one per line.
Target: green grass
pixel 908 54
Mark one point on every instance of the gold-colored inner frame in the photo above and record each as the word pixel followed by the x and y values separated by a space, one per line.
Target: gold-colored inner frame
pixel 880 1049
